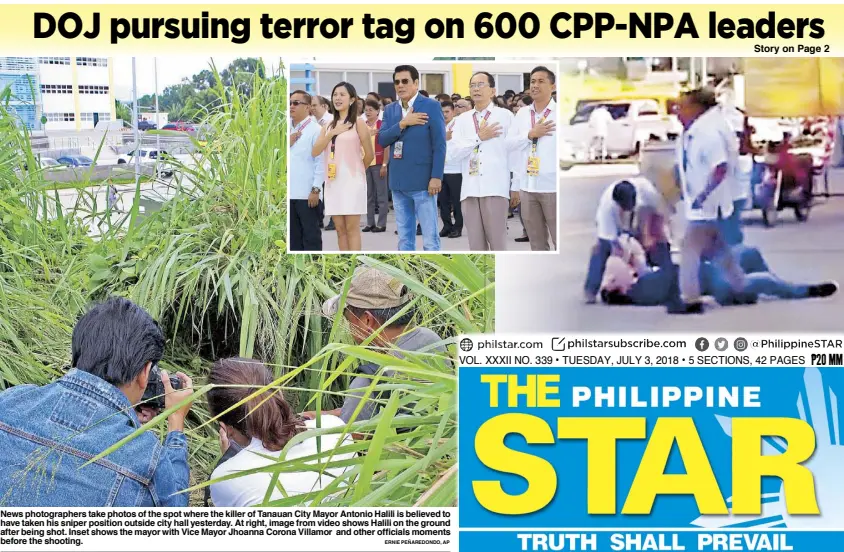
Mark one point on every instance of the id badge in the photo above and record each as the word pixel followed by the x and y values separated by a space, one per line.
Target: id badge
pixel 474 166
pixel 332 171
pixel 397 147
pixel 533 166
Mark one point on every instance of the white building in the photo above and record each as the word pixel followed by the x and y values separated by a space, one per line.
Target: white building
pixel 76 92
pixel 435 77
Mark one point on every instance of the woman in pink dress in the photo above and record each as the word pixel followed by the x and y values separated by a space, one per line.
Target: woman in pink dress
pixel 345 166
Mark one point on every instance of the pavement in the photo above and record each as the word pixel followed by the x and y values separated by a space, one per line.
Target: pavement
pixel 545 293
pixel 388 241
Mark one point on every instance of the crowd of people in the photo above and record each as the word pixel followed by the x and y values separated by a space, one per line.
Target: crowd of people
pixel 632 263
pixel 49 434
pixel 473 162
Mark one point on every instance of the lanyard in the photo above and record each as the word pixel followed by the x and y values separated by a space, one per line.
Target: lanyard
pixel 533 123
pixel 478 127
pixel 301 126
pixel 475 119
pixel 451 126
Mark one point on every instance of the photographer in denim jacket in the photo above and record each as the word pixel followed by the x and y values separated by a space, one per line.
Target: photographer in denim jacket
pixel 48 433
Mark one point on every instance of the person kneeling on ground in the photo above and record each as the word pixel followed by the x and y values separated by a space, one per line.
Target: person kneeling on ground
pixel 374 299
pixel 625 283
pixel 64 424
pixel 260 428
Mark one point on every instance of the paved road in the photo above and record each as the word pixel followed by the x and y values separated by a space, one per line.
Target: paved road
pixel 544 293
pixel 388 241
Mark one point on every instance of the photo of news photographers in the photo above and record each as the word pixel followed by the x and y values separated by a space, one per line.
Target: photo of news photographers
pixel 163 349
pixel 700 193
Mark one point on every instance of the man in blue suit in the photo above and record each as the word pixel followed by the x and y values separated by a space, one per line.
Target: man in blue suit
pixel 414 129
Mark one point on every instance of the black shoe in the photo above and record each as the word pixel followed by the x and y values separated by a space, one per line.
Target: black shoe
pixel 418 230
pixel 455 234
pixel 686 308
pixel 331 225
pixel 321 224
pixel 378 229
pixel 367 229
pixel 823 290
pixel 511 215
pixel 523 239
pixel 445 232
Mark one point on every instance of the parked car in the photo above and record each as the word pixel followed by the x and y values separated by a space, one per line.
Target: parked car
pixel 177 126
pixel 146 125
pixel 49 162
pixel 149 156
pixel 75 161
pixel 635 122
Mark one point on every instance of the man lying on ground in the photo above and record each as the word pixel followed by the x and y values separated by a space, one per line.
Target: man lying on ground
pixel 628 281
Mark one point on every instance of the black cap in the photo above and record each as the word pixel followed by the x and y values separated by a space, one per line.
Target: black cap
pixel 624 193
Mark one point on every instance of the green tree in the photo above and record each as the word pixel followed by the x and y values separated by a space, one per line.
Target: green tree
pixel 123 111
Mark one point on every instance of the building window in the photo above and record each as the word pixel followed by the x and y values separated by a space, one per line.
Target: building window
pixel 60 117
pixel 504 83
pixel 105 116
pixel 327 80
pixel 93 89
pixel 54 60
pixel 56 89
pixel 86 117
pixel 17 64
pixel 360 81
pixel 92 62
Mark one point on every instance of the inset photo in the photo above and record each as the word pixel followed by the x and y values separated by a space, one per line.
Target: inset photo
pixel 423 156
pixel 701 194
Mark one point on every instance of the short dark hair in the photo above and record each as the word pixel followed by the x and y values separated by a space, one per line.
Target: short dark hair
pixel 376 94
pixel 115 340
pixel 424 93
pixel 624 193
pixel 414 74
pixel 442 97
pixel 509 93
pixel 302 92
pixel 447 103
pixel 383 315
pixel 527 100
pixel 373 104
pixel 324 101
pixel 488 76
pixel 471 101
pixel 705 97
pixel 542 69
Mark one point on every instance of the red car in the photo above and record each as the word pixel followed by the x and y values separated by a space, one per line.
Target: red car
pixel 178 126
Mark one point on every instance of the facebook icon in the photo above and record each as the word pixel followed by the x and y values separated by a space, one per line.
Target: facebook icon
pixel 702 344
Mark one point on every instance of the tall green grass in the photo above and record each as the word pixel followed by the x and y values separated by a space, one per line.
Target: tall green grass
pixel 211 267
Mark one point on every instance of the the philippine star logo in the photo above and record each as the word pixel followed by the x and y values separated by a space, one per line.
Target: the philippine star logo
pixel 818 406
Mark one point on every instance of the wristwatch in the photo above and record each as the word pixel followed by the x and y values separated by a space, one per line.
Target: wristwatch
pixel 315 190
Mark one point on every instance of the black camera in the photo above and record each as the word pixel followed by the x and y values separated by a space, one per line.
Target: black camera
pixel 154 393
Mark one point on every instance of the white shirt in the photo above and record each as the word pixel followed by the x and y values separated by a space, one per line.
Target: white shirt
pixel 599 121
pixel 546 150
pixel 704 147
pixel 493 178
pixel 250 489
pixel 609 215
pixel 409 105
pixel 306 172
pixel 455 167
pixel 326 118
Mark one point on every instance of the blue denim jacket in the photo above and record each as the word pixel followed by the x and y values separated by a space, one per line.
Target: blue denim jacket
pixel 47 433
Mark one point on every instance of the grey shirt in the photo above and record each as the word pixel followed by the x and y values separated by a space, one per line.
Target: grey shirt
pixel 414 340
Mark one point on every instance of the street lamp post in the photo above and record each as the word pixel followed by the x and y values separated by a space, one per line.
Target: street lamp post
pixel 157 135
pixel 136 132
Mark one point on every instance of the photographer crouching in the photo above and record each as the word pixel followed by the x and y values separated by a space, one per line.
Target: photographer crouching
pixel 48 433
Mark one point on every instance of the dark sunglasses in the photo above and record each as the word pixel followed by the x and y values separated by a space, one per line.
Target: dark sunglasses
pixel 297 102
pixel 401 81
